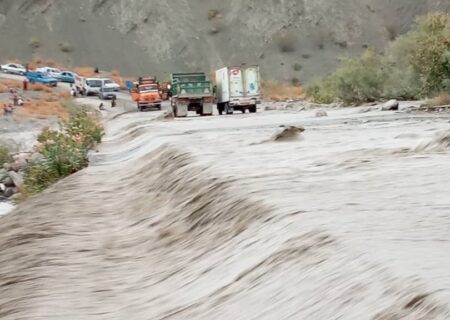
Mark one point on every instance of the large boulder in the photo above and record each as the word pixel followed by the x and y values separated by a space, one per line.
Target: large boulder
pixel 287 133
pixel 16 178
pixel 390 105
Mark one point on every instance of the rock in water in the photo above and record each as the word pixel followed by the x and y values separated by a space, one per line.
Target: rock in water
pixel 288 133
pixel 390 105
pixel 321 113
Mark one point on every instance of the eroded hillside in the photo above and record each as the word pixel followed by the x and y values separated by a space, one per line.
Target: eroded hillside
pixel 289 38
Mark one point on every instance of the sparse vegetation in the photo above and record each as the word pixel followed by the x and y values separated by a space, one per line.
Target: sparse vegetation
pixel 65 47
pixel 286 41
pixel 5 84
pixel 35 43
pixel 65 151
pixel 5 155
pixel 297 67
pixel 279 91
pixel 295 82
pixel 440 100
pixel 414 66
pixel 85 71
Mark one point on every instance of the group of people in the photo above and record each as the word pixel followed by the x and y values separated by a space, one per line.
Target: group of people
pixel 17 101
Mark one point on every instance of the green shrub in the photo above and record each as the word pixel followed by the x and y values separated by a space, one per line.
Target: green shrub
pixel 431 57
pixel 297 67
pixel 5 155
pixel 38 178
pixel 415 65
pixel 65 151
pixel 356 80
pixel 35 43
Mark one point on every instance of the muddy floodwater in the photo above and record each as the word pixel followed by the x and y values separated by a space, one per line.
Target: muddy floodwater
pixel 207 218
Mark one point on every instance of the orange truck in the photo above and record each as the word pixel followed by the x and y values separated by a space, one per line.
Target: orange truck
pixel 146 94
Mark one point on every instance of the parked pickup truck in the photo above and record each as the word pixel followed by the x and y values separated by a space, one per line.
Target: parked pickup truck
pixel 38 77
pixel 191 92
pixel 237 89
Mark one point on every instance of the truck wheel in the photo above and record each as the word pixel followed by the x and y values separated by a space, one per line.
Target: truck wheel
pixel 220 108
pixel 252 109
pixel 243 109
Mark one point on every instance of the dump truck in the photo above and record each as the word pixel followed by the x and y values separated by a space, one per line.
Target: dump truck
pixel 146 94
pixel 191 92
pixel 237 88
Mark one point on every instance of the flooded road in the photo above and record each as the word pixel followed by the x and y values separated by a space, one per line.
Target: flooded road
pixel 206 218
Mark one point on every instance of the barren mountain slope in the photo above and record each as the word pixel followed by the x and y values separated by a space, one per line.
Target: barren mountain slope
pixel 148 36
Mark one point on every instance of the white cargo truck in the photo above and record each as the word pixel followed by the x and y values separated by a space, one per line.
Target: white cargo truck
pixel 237 88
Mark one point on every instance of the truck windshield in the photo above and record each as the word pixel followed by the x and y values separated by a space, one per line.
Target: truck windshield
pixel 94 83
pixel 145 89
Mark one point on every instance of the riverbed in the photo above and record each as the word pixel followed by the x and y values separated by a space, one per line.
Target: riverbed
pixel 206 217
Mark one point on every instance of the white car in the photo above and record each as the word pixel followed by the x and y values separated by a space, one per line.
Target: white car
pixel 14 68
pixel 108 83
pixel 51 72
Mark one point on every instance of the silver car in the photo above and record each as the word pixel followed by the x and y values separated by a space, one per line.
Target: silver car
pixel 14 68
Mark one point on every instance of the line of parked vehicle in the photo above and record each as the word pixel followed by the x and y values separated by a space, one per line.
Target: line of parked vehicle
pixel 235 88
pixel 104 88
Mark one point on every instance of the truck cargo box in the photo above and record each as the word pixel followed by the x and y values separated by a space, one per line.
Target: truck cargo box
pixel 238 88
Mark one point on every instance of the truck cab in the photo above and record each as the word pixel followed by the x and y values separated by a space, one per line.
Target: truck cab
pixel 146 94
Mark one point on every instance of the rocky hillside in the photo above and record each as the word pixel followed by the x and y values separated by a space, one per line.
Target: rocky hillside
pixel 288 38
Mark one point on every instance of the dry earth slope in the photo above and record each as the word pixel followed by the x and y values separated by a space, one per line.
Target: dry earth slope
pixel 161 36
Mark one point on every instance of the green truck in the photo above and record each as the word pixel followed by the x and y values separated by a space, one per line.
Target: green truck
pixel 191 92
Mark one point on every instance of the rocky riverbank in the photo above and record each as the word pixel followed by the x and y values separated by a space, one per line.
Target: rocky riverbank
pixel 12 174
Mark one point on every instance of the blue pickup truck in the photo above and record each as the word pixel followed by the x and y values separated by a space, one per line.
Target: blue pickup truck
pixel 39 77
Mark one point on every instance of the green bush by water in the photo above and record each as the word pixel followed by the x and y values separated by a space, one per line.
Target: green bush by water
pixel 65 151
pixel 414 66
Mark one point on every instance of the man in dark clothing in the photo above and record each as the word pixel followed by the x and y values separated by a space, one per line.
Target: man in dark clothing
pixel 113 102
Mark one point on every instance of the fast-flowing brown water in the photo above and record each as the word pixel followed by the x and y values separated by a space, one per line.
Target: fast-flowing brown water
pixel 206 218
